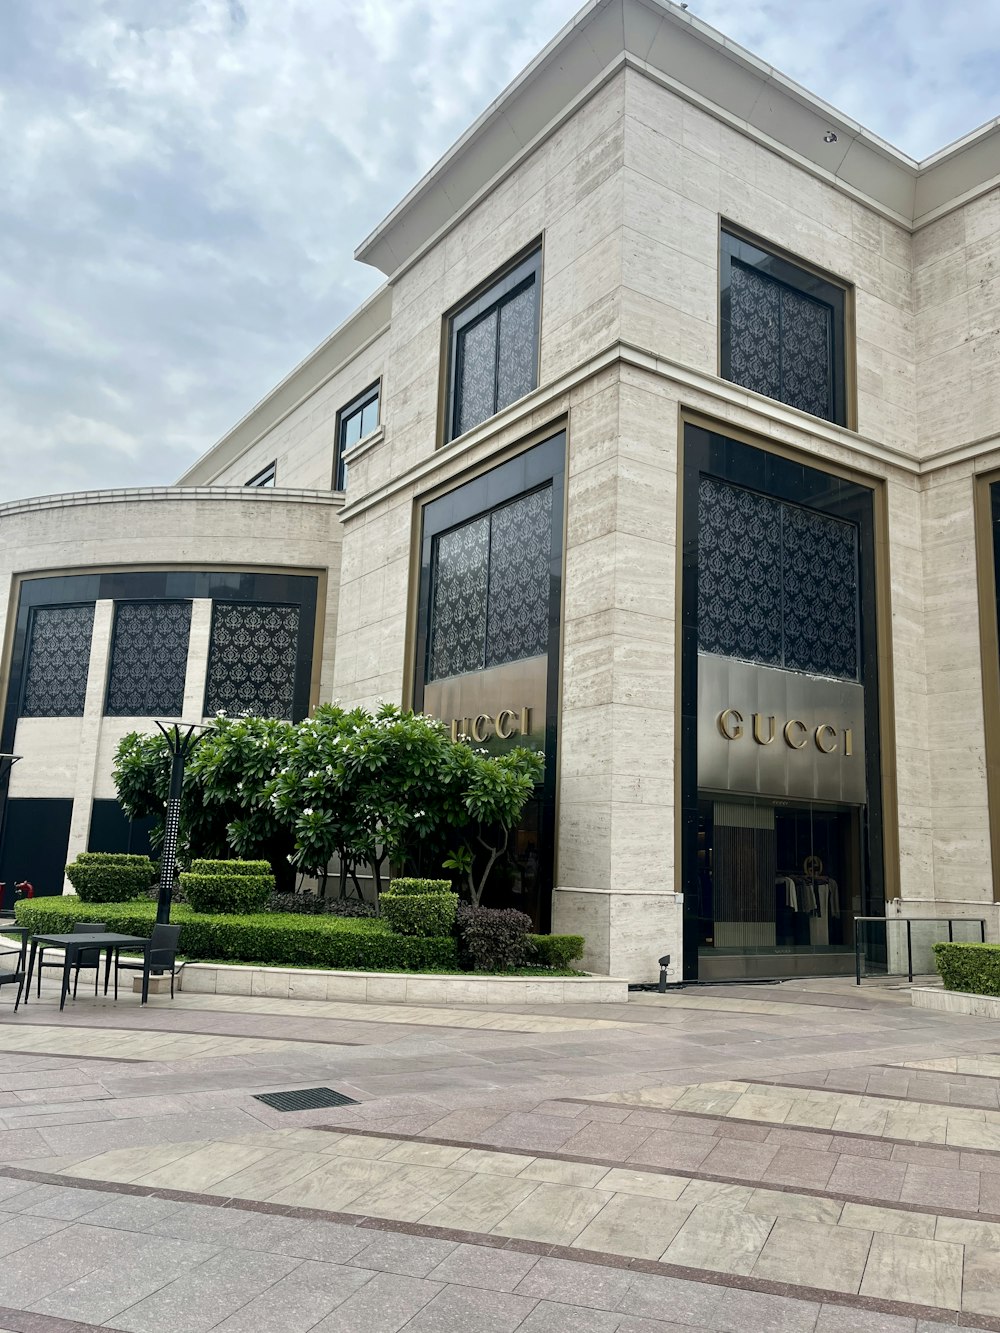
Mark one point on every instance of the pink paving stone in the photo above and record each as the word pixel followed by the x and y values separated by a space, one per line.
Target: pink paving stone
pixel 940 1189
pixel 613 1142
pixel 867 1179
pixel 800 1166
pixel 743 1161
pixel 685 1152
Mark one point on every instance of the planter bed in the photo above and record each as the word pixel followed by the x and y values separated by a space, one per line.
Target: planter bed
pixel 398 987
pixel 955 1001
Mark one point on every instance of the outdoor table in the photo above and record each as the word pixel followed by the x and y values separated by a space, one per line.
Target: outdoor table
pixel 72 944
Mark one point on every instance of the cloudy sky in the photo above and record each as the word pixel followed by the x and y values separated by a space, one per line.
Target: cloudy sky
pixel 184 182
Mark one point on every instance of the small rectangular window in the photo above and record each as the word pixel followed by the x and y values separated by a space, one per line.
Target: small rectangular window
pixel 355 422
pixel 493 347
pixel 265 477
pixel 783 330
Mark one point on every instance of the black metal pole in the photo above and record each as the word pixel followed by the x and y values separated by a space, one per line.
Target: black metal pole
pixel 181 746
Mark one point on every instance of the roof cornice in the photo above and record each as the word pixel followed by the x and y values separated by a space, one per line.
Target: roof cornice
pixel 713 72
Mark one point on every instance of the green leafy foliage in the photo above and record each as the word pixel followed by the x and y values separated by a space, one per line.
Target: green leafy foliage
pixel 270 939
pixel 419 913
pixel 235 894
pixel 310 904
pixel 203 867
pixel 225 806
pixel 555 951
pixel 491 939
pixel 402 884
pixel 100 877
pixel 970 967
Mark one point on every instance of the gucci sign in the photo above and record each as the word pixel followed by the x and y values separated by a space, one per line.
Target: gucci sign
pixel 508 722
pixel 796 734
pixel 763 731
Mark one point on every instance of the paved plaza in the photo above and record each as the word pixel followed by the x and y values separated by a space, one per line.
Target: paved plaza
pixel 802 1158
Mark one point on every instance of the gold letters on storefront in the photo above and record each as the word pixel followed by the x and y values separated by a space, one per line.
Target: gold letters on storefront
pixel 504 724
pixel 795 733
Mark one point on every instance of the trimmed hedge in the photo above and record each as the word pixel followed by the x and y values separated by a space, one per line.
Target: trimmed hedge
pixel 239 894
pixel 110 877
pixel 271 939
pixel 419 913
pixel 420 887
pixel 970 967
pixel 230 868
pixel 491 939
pixel 556 951
pixel 310 904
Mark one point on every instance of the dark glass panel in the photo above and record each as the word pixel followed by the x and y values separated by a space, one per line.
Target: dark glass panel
pixel 806 333
pixel 58 661
pixel 476 387
pixel 352 430
pixel 739 573
pixel 149 659
pixel 516 356
pixel 252 659
pixel 459 598
pixel 755 356
pixel 520 557
pixel 820 576
pixel 369 417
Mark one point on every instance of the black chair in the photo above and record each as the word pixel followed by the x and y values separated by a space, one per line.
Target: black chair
pixel 160 957
pixel 8 978
pixel 88 958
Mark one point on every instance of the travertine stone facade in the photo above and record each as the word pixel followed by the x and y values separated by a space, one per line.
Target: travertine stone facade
pixel 624 148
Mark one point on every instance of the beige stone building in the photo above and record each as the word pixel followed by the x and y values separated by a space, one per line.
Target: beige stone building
pixel 671 442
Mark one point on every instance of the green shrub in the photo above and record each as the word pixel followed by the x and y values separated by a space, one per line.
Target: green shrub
pixel 227 893
pixel 555 951
pixel 968 967
pixel 491 939
pixel 309 904
pixel 230 868
pixel 271 939
pixel 110 877
pixel 419 913
pixel 419 886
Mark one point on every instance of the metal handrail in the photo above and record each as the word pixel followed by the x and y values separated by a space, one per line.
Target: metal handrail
pixel 909 921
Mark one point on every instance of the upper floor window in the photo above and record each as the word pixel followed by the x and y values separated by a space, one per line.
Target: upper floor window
pixel 783 330
pixel 358 419
pixel 493 347
pixel 265 477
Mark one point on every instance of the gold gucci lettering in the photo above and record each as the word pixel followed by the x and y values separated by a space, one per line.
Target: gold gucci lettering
pixel 764 730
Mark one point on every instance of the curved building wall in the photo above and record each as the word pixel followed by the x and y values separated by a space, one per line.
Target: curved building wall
pixel 121 607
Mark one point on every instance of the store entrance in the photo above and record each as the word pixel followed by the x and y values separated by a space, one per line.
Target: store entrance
pixel 778 883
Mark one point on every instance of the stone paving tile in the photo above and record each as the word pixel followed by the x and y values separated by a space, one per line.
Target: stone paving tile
pixel 393 1252
pixel 475 1266
pixel 459 1309
pixel 547 1317
pixel 867 1179
pixel 383 1305
pixel 847 1319
pixel 667 1298
pixel 203 1297
pixel 941 1189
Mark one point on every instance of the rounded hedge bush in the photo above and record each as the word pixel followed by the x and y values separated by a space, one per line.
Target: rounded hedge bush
pixel 110 877
pixel 404 885
pixel 425 914
pixel 237 887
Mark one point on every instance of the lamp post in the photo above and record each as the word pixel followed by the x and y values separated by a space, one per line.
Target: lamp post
pixel 182 738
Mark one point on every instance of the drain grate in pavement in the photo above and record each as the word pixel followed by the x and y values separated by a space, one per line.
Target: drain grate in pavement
pixel 304 1099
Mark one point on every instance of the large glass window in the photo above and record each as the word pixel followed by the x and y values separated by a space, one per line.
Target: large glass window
pixel 358 419
pixel 490 589
pixel 493 348
pixel 149 651
pixel 58 661
pixel 782 330
pixel 777 583
pixel 252 659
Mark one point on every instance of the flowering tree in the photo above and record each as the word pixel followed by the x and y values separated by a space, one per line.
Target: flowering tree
pixel 225 807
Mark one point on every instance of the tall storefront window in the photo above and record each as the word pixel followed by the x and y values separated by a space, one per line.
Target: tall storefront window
pixel 493 347
pixel 781 779
pixel 783 329
pixel 487 653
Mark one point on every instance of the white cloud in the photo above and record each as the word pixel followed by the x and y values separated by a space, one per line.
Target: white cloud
pixel 185 183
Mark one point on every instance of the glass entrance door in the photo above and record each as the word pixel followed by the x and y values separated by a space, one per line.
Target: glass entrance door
pixel 777 887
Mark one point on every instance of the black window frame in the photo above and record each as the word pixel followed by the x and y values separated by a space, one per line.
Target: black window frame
pixel 523 272
pixel 265 477
pixel 737 248
pixel 356 407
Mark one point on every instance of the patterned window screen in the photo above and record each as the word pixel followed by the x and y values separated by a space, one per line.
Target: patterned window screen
pixel 58 661
pixel 252 659
pixel 777 583
pixel 148 659
pixel 781 342
pixel 490 592
pixel 494 348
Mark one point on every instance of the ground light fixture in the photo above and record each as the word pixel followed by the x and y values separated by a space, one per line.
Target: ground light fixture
pixel 182 740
